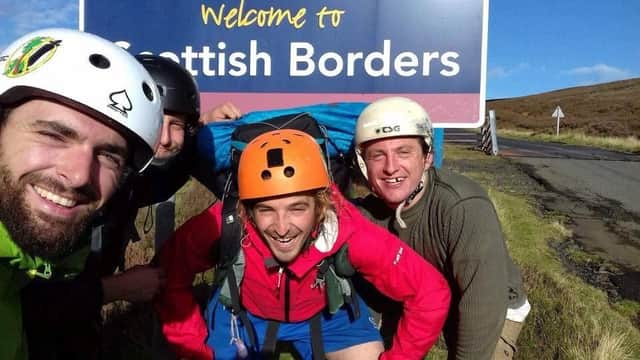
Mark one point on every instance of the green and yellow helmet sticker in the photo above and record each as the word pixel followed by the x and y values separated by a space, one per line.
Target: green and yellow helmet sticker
pixel 30 56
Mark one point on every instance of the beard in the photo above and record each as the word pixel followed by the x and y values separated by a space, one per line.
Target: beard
pixel 38 234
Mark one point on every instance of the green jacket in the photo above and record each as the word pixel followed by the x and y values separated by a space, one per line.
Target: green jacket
pixel 16 270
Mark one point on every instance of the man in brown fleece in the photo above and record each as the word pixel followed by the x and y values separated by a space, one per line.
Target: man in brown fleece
pixel 449 220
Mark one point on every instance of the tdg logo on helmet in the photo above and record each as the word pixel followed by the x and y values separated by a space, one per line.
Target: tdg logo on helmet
pixel 30 56
pixel 388 129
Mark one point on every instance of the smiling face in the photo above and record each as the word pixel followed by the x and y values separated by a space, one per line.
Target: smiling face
pixel 171 137
pixel 395 167
pixel 57 167
pixel 285 224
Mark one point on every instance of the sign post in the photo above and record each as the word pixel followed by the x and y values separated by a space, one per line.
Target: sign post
pixel 558 114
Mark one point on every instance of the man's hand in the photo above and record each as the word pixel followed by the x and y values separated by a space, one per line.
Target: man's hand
pixel 138 284
pixel 222 112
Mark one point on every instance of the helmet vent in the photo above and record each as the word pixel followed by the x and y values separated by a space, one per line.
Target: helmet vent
pixel 275 158
pixel 161 90
pixel 99 61
pixel 265 175
pixel 146 89
pixel 289 171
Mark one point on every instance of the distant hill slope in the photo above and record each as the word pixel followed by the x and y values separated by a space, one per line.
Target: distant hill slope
pixel 610 109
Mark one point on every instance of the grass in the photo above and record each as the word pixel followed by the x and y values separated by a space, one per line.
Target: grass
pixel 569 319
pixel 625 144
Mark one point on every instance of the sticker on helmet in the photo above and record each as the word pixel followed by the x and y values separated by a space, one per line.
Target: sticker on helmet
pixel 423 128
pixel 120 102
pixel 388 129
pixel 31 55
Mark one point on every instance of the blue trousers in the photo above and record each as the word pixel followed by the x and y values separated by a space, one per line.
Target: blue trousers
pixel 339 331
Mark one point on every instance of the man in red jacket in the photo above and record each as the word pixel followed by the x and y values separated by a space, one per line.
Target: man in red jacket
pixel 294 220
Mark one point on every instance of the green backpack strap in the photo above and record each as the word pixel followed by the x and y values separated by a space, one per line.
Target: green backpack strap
pixel 334 274
pixel 341 262
pixel 234 298
pixel 237 268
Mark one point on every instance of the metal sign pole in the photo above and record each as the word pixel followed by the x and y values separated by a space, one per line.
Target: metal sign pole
pixel 558 114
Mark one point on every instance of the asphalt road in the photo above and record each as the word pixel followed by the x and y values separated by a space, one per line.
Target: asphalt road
pixel 589 172
pixel 598 190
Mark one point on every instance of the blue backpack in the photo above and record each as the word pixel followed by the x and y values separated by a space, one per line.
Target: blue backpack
pixel 338 120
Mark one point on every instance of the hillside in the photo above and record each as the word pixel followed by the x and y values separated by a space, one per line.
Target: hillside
pixel 610 109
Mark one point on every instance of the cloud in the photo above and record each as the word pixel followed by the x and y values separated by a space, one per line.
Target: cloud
pixel 497 72
pixel 20 17
pixel 29 15
pixel 600 73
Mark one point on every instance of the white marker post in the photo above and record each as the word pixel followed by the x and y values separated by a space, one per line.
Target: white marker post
pixel 558 114
pixel 494 132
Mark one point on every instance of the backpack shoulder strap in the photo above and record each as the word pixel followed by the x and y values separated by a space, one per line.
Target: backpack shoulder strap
pixel 334 274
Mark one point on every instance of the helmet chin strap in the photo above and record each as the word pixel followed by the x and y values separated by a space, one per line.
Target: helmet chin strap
pixel 409 199
pixel 164 163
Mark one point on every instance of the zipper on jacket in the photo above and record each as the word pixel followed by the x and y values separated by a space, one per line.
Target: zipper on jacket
pixel 283 271
pixel 280 270
pixel 45 274
pixel 287 294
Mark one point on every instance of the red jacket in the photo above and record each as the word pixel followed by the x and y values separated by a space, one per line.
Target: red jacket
pixel 382 259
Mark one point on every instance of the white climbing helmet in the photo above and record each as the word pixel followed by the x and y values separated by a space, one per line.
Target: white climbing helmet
pixel 90 74
pixel 391 117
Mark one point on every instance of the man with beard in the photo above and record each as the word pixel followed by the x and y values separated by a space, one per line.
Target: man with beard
pixel 77 115
pixel 174 161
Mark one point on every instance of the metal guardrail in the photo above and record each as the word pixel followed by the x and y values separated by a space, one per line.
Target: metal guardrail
pixel 488 138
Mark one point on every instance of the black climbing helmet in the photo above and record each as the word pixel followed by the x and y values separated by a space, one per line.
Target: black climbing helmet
pixel 176 84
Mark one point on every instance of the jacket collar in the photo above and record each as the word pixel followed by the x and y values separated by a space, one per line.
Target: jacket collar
pixel 11 254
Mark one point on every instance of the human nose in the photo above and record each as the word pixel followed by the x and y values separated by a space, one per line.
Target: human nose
pixel 77 167
pixel 281 225
pixel 390 164
pixel 165 135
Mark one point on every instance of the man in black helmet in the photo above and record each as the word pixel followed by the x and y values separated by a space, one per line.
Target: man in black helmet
pixel 64 325
pixel 173 164
pixel 174 159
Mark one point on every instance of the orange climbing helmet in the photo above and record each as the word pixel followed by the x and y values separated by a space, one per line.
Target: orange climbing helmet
pixel 281 162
